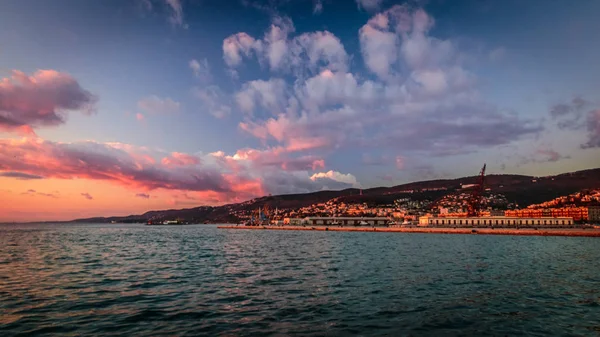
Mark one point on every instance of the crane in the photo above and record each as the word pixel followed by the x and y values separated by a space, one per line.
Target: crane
pixel 474 202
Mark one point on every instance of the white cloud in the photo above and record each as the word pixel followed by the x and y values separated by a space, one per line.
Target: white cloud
pixel 379 50
pixel 176 17
pixel 306 52
pixel 237 45
pixel 270 95
pixel 423 100
pixel 201 70
pixel 348 178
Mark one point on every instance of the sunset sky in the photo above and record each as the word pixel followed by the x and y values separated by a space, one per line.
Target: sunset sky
pixel 118 107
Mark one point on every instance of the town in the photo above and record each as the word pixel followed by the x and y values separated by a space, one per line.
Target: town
pixel 582 207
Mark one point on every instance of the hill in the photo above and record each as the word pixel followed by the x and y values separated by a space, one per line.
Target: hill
pixel 519 189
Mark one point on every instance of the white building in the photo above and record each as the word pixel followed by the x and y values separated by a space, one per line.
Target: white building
pixel 324 221
pixel 497 221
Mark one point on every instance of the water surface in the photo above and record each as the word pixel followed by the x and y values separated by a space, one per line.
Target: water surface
pixel 199 280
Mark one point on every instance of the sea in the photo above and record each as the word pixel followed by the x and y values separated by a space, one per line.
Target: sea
pixel 199 280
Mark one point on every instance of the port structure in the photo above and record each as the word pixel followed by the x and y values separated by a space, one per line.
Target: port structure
pixel 474 202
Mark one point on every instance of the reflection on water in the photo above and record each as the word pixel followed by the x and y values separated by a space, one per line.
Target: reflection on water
pixel 132 279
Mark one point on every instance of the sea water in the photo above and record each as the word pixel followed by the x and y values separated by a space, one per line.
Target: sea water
pixel 111 280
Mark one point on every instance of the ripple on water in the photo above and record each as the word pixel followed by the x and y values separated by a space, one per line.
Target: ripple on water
pixel 116 280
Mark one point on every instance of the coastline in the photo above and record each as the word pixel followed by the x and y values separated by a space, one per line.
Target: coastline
pixel 479 231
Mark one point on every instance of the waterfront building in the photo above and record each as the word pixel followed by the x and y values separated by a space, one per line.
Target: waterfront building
pixel 329 221
pixel 594 213
pixel 577 213
pixel 496 221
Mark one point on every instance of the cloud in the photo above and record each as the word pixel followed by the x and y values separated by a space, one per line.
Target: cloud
pixel 20 175
pixel 269 95
pixel 593 128
pixel 273 158
pixel 550 155
pixel 423 100
pixel 201 70
pixel 369 5
pixel 176 17
pixel 382 160
pixel 386 177
pixel 42 99
pixel 305 53
pixel 180 159
pixel 109 162
pixel 573 116
pixel 32 193
pixel 318 7
pixel 497 54
pixel 146 4
pixel 237 45
pixel 139 116
pixel 400 162
pixel 212 178
pixel 87 196
pixel 573 108
pixel 49 195
pixel 337 179
pixel 398 39
pixel 143 195
pixel 154 104
pixel 542 154
pixel 214 100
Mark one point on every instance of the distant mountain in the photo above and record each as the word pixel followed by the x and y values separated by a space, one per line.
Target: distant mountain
pixel 523 190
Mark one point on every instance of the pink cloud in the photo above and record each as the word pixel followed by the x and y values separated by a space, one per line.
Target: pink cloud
pixel 274 157
pixel 139 116
pixel 386 177
pixel 303 144
pixel 319 163
pixel 213 178
pixel 42 99
pixel 180 159
pixel 155 104
pixel 98 161
pixel 400 162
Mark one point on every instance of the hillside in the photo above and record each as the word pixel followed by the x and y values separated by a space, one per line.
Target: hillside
pixel 522 190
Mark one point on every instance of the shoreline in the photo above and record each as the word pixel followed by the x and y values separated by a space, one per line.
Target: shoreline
pixel 478 231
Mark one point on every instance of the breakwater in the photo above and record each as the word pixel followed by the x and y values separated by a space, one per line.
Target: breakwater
pixel 483 231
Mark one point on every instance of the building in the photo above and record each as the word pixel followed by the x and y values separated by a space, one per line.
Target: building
pixel 594 213
pixel 577 213
pixel 328 221
pixel 495 221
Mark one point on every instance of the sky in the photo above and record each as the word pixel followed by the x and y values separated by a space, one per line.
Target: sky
pixel 118 107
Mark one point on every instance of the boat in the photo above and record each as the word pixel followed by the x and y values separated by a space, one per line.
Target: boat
pixel 363 223
pixel 165 222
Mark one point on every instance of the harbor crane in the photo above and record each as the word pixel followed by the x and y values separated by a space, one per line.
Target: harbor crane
pixel 475 200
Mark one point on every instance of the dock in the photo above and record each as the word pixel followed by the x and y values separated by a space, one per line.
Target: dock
pixel 477 231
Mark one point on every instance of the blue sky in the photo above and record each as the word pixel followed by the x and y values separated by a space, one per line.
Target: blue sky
pixel 321 94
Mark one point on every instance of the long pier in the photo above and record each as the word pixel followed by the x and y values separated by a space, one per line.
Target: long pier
pixel 430 230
